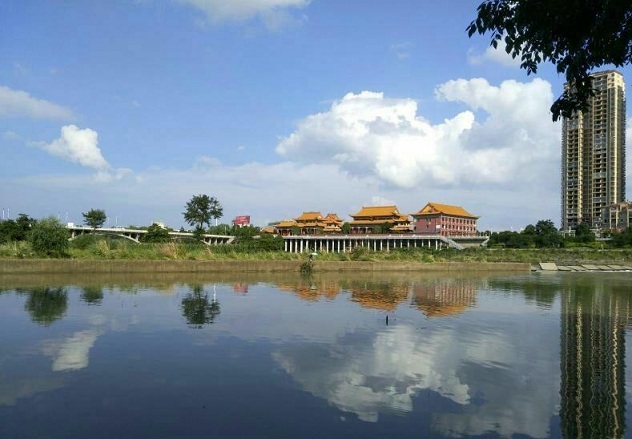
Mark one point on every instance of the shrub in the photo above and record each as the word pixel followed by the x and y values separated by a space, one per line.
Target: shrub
pixel 49 237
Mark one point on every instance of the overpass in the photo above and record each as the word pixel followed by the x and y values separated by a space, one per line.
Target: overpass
pixel 135 234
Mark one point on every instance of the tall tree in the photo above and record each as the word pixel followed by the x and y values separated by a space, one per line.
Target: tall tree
pixel 546 235
pixel 201 209
pixel 94 218
pixel 577 36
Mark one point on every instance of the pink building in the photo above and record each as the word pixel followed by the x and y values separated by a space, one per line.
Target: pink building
pixel 445 220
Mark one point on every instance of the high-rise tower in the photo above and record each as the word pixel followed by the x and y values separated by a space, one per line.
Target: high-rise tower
pixel 593 153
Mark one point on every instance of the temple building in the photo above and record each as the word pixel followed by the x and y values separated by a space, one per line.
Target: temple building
pixel 380 219
pixel 285 227
pixel 444 220
pixel 310 223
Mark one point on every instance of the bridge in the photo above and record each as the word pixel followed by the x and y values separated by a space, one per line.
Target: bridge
pixel 135 234
pixel 344 243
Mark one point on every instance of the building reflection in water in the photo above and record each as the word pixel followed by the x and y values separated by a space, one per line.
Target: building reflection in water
pixel 434 296
pixel 444 297
pixel 594 321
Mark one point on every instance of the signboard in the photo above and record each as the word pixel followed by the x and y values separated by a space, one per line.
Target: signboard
pixel 242 220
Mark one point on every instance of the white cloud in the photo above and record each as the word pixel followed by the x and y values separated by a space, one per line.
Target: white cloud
pixel 16 103
pixel 78 146
pixel 496 55
pixel 504 136
pixel 273 13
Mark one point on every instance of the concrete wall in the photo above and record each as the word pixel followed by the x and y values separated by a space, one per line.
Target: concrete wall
pixel 35 266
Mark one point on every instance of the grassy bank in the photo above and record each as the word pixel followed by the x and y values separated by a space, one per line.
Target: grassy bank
pixel 113 249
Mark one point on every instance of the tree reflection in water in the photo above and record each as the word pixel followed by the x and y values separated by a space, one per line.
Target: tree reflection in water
pixel 92 295
pixel 46 304
pixel 198 309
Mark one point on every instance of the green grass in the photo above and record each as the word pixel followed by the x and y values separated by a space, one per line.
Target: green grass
pixel 105 248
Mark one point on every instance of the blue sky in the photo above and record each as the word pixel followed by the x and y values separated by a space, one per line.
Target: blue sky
pixel 272 106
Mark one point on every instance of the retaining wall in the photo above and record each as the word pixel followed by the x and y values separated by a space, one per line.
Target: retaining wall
pixel 33 266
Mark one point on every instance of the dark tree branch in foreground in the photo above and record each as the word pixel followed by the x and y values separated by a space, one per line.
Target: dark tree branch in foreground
pixel 577 36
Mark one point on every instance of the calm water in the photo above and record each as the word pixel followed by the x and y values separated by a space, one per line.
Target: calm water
pixel 514 356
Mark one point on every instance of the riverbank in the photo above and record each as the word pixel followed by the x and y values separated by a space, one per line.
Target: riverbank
pixel 58 266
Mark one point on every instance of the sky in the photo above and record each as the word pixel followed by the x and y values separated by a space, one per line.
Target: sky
pixel 274 107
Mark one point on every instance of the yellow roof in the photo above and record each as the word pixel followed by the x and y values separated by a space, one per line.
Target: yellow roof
pixel 434 208
pixel 332 217
pixel 309 216
pixel 373 211
pixel 286 223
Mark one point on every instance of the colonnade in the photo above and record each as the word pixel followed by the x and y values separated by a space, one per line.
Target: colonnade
pixel 345 243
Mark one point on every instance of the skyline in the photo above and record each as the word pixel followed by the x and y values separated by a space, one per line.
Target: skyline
pixel 273 107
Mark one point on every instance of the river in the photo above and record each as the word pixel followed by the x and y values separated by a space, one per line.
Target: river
pixel 375 355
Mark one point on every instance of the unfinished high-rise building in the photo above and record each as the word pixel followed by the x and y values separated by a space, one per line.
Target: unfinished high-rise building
pixel 593 154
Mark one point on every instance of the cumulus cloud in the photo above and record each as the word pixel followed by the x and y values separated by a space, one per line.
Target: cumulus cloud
pixel 16 103
pixel 503 135
pixel 496 55
pixel 78 146
pixel 273 13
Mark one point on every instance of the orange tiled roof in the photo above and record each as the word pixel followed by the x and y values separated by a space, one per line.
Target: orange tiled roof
pixel 309 216
pixel 332 217
pixel 434 208
pixel 286 223
pixel 373 211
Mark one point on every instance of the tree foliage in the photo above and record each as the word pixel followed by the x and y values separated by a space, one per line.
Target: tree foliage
pixel 577 36
pixel 156 233
pixel 16 230
pixel 546 235
pixel 201 209
pixel 623 239
pixel 49 237
pixel 94 218
pixel 583 233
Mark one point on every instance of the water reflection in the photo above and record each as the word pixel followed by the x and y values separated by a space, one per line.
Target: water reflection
pixel 92 295
pixel 518 356
pixel 198 308
pixel 594 321
pixel 46 304
pixel 445 297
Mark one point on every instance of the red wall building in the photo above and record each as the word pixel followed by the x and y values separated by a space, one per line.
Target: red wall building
pixel 445 220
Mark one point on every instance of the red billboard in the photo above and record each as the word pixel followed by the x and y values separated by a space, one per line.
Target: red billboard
pixel 242 220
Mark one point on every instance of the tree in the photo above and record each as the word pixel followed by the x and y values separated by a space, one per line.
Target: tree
pixel 546 235
pixel 49 237
pixel 201 209
pixel 94 218
pixel 576 36
pixel 583 233
pixel 16 230
pixel 156 233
